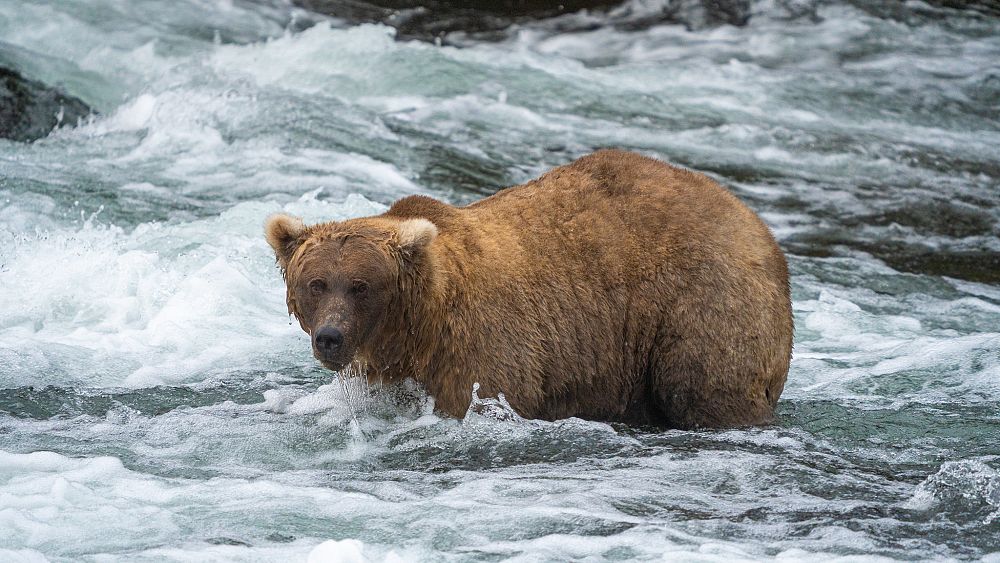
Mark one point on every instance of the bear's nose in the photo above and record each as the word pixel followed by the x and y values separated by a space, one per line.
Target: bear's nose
pixel 329 339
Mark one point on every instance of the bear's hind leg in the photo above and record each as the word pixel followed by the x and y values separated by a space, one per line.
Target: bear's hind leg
pixel 689 392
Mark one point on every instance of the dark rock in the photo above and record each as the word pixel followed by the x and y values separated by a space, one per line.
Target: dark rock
pixel 30 110
pixel 973 265
pixel 430 20
pixel 989 7
pixel 970 264
pixel 928 9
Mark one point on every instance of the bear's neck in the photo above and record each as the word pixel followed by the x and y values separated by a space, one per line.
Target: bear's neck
pixel 426 333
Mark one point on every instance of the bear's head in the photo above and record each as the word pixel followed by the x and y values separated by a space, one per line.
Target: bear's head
pixel 348 281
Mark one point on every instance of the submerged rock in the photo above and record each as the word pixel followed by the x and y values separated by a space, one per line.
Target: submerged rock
pixel 698 14
pixel 30 110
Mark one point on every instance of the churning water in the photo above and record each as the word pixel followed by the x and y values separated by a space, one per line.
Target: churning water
pixel 155 402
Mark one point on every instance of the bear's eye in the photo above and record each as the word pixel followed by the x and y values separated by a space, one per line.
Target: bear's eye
pixel 317 287
pixel 359 287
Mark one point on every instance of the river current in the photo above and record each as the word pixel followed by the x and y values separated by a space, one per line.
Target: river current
pixel 156 402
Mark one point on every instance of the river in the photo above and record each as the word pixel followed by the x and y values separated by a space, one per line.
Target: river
pixel 157 403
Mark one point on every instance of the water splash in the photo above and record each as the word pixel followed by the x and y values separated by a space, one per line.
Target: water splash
pixel 358 391
pixel 963 490
pixel 498 409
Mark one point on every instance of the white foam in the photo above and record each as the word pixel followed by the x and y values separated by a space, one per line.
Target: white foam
pixel 844 350
pixel 294 60
pixel 343 551
pixel 97 305
pixel 111 59
pixel 132 116
pixel 55 505
pixel 23 555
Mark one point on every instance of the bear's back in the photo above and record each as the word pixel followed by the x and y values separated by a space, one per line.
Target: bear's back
pixel 620 207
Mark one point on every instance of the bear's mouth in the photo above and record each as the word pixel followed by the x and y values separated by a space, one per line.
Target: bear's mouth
pixel 334 365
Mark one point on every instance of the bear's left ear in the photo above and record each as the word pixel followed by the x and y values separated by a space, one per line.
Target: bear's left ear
pixel 415 234
pixel 283 233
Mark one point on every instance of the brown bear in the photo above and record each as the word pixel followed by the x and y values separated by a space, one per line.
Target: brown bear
pixel 614 288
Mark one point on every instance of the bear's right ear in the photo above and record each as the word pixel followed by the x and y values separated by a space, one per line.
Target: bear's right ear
pixel 416 234
pixel 284 234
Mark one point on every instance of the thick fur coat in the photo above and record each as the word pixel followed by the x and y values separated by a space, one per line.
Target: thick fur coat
pixel 615 288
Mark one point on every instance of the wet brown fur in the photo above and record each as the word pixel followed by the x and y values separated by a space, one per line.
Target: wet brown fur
pixel 616 287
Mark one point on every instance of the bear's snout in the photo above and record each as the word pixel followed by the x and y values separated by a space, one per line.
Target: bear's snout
pixel 328 341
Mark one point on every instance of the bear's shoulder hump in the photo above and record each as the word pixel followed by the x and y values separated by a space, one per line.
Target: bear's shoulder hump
pixel 421 206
